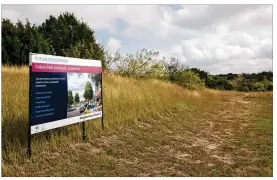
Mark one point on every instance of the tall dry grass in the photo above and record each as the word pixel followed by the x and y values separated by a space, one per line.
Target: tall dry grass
pixel 125 100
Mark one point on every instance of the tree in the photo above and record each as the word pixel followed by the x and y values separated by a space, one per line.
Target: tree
pixel 219 82
pixel 77 98
pixel 88 94
pixel 201 73
pixel 110 59
pixel 143 63
pixel 64 35
pixel 270 87
pixel 189 79
pixel 71 37
pixel 70 98
pixel 231 76
pixel 10 43
pixel 240 83
pixel 19 40
pixel 173 68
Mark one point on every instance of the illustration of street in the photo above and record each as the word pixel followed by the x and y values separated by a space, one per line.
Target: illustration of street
pixel 76 111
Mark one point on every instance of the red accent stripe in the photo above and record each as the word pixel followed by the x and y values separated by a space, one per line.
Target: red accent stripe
pixel 42 67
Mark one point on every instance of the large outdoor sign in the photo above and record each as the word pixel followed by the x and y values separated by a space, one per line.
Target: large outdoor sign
pixel 63 91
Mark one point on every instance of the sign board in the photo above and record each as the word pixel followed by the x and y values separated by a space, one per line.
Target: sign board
pixel 63 91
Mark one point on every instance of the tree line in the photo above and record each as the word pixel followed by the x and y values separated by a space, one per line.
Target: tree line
pixel 65 35
pixel 142 64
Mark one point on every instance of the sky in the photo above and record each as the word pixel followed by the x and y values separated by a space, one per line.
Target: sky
pixel 215 38
pixel 77 82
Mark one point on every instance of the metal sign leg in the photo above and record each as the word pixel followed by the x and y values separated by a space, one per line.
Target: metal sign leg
pixel 84 130
pixel 29 123
pixel 102 118
pixel 29 152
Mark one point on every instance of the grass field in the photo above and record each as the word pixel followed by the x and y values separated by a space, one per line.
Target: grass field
pixel 153 128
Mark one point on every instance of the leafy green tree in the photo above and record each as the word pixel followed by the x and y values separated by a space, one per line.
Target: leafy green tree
pixel 242 82
pixel 189 79
pixel 258 86
pixel 71 37
pixel 69 98
pixel 201 73
pixel 231 76
pixel 19 40
pixel 10 43
pixel 88 93
pixel 76 98
pixel 270 87
pixel 64 35
pixel 143 63
pixel 219 82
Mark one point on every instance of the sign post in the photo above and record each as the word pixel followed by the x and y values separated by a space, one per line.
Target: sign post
pixel 84 131
pixel 29 112
pixel 63 91
pixel 83 123
pixel 102 118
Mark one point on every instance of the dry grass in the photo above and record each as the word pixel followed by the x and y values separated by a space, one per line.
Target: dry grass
pixel 153 128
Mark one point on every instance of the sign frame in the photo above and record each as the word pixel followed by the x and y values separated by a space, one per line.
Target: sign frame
pixel 58 122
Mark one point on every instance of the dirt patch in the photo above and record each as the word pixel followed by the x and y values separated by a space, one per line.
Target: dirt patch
pixel 143 125
pixel 183 156
pixel 225 159
pixel 197 161
pixel 196 94
pixel 242 101
pixel 212 146
pixel 211 165
pixel 127 161
pixel 244 151
pixel 108 140
pixel 200 142
pixel 95 150
pixel 228 132
pixel 211 125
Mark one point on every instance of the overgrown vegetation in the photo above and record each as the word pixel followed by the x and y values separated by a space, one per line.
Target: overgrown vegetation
pixel 152 128
pixel 242 82
pixel 65 35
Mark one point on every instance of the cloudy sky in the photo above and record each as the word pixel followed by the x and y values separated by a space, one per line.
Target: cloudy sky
pixel 216 38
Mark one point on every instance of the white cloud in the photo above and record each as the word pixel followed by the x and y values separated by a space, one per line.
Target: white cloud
pixel 238 51
pixel 113 45
pixel 231 38
pixel 238 43
pixel 98 16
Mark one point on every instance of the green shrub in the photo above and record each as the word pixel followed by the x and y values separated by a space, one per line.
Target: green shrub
pixel 189 79
pixel 259 86
pixel 217 82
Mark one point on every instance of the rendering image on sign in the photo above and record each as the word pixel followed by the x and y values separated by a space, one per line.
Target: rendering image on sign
pixel 63 91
